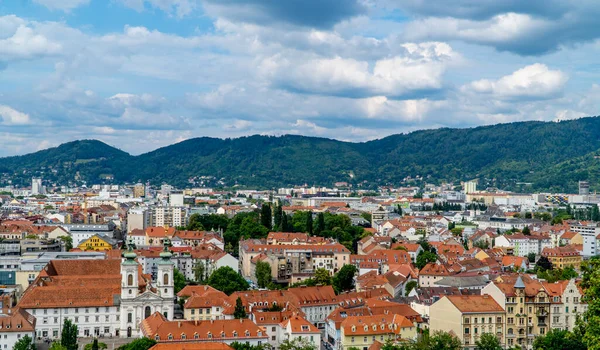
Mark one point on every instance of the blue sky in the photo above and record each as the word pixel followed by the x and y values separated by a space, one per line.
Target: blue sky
pixel 142 74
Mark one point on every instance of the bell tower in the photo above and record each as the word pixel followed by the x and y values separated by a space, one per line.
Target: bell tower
pixel 129 275
pixel 164 279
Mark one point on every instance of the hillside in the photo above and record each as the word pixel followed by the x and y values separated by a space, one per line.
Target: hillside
pixel 550 155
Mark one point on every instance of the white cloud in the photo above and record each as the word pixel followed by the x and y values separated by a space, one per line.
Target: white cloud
pixel 10 116
pixel 62 5
pixel 25 43
pixel 238 124
pixel 421 68
pixel 535 81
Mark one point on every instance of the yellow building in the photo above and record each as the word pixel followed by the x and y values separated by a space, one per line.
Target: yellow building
pixel 527 306
pixel 468 317
pixel 562 257
pixel 362 331
pixel 98 243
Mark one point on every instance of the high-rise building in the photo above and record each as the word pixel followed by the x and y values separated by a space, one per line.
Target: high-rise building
pixel 37 187
pixel 176 199
pixel 168 216
pixel 139 190
pixel 584 188
pixel 470 186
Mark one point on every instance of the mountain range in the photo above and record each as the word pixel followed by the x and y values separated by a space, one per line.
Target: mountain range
pixel 521 156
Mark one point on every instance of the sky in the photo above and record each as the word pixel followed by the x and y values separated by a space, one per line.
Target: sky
pixel 143 74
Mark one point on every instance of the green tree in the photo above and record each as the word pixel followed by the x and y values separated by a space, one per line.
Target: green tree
pixel 195 223
pixel 410 286
pixel 95 345
pixel 322 277
pixel 68 241
pixel 488 341
pixel 263 274
pixel 227 280
pixel 178 280
pixel 240 310
pixel 266 216
pixel 25 343
pixel 202 270
pixel 278 216
pixel 344 278
pixel 526 231
pixel 424 258
pixel 297 344
pixel 309 223
pixel 56 346
pixel 138 344
pixel 320 225
pixel 543 264
pixel 444 341
pixel 246 346
pixel 285 226
pixel 531 257
pixel 68 337
pixel 558 339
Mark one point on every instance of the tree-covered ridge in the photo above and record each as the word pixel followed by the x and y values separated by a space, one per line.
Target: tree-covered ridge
pixel 550 155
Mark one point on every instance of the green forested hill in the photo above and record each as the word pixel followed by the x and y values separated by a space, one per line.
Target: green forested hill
pixel 548 154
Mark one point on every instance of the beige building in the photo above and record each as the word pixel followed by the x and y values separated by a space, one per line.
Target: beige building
pixel 362 331
pixel 527 306
pixel 468 317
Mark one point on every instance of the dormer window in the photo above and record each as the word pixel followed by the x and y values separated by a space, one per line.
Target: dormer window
pixel 366 328
pixel 170 337
pixel 157 337
pixel 235 334
pixel 353 328
pixel 183 336
pixel 247 333
pixel 222 334
pixel 209 335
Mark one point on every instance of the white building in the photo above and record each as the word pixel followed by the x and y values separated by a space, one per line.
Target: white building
pixel 37 187
pixel 106 297
pixel 15 326
pixel 523 245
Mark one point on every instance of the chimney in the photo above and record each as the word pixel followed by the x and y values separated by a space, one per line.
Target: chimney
pixel 179 324
pixel 195 322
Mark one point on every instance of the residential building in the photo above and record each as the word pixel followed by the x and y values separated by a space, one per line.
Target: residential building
pixel 468 317
pixel 160 329
pixel 98 243
pixel 527 306
pixel 523 245
pixel 297 327
pixel 362 331
pixel 14 326
pixel 562 257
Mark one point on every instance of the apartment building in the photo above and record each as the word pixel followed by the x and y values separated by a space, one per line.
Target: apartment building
pixel 362 331
pixel 527 305
pixel 468 317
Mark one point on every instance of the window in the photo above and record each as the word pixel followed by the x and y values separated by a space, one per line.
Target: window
pixel 130 280
pixel 166 279
pixel 466 330
pixel 129 317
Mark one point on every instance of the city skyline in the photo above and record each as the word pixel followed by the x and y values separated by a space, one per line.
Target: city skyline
pixel 142 74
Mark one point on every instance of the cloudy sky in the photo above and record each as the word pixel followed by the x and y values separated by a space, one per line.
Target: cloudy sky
pixel 141 74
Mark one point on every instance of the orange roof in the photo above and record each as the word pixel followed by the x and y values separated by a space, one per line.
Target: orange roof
pixel 299 324
pixel 18 321
pixel 188 290
pixel 374 325
pixel 159 328
pixel 565 251
pixel 315 295
pixel 160 232
pixel 475 303
pixel 191 346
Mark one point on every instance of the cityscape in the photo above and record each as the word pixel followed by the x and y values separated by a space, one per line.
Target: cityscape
pixel 299 175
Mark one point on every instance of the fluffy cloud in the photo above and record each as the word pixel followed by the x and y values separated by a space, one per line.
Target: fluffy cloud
pixel 307 13
pixel 23 42
pixel 531 82
pixel 11 117
pixel 62 5
pixel 419 70
pixel 523 27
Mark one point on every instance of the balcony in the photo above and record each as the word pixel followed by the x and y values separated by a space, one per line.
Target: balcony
pixel 542 312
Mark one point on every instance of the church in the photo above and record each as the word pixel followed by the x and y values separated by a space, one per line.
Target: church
pixel 102 297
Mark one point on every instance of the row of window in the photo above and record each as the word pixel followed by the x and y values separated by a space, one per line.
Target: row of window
pixel 66 310
pixel 86 319
pixel 476 320
pixel 209 335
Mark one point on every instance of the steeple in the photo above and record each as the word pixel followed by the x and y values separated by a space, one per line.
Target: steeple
pixel 166 255
pixel 130 255
pixel 519 283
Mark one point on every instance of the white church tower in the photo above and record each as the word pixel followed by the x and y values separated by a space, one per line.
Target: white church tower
pixel 164 279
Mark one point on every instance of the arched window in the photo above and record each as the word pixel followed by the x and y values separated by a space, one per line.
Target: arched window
pixel 130 280
pixel 166 279
pixel 147 312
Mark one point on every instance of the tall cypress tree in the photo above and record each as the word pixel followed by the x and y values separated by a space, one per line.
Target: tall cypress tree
pixel 309 223
pixel 320 226
pixel 265 216
pixel 284 223
pixel 278 217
